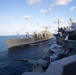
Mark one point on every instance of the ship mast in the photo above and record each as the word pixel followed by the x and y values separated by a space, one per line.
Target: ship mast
pixel 71 21
pixel 27 34
pixel 18 35
pixel 58 22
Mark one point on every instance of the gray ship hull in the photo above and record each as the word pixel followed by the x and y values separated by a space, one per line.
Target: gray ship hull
pixel 23 41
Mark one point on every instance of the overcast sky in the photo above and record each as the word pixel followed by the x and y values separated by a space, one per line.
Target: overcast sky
pixel 21 16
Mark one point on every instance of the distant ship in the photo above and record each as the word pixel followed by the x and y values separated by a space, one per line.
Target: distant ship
pixel 42 36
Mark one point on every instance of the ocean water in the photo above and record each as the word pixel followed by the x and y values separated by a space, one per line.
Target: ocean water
pixel 8 57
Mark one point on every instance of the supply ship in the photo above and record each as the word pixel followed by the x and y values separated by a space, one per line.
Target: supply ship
pixel 41 36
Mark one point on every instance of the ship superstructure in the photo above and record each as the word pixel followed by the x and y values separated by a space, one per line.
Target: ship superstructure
pixel 41 36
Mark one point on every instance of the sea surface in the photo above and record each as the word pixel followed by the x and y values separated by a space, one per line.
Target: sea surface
pixel 8 57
